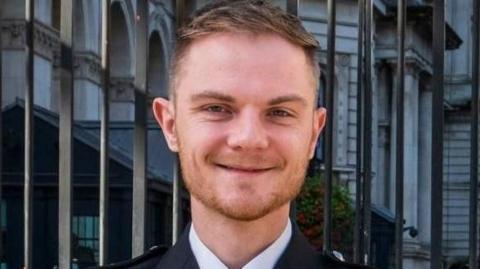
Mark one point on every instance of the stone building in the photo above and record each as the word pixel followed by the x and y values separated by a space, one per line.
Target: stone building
pixel 418 103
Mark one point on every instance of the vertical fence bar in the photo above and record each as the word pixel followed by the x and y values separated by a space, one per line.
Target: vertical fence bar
pixel 1 138
pixel 140 191
pixel 437 132
pixel 327 216
pixel 104 134
pixel 176 199
pixel 367 135
pixel 28 158
pixel 401 18
pixel 65 136
pixel 292 6
pixel 357 237
pixel 474 139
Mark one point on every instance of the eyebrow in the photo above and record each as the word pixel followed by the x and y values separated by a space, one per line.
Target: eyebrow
pixel 212 95
pixel 230 99
pixel 286 99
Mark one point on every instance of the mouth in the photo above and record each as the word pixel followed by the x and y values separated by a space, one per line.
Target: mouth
pixel 244 169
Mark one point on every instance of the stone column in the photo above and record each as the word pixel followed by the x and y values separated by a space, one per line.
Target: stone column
pixel 411 110
pixel 425 158
pixel 416 128
pixel 88 77
pixel 14 41
pixel 411 114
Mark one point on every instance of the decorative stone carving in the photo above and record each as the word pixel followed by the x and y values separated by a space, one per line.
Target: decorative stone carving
pixel 413 67
pixel 46 38
pixel 87 66
pixel 13 34
pixel 122 89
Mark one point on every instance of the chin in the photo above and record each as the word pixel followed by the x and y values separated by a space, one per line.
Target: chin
pixel 244 213
pixel 251 209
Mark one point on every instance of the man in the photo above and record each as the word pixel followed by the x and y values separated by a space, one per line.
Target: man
pixel 242 115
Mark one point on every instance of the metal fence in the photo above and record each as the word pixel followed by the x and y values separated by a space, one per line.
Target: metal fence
pixel 362 236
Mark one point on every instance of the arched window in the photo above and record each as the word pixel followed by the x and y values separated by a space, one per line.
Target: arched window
pixel 120 59
pixel 79 24
pixel 157 71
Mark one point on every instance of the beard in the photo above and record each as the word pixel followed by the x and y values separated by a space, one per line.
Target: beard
pixel 251 204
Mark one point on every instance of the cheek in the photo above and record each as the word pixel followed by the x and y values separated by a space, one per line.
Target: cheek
pixel 292 142
pixel 198 139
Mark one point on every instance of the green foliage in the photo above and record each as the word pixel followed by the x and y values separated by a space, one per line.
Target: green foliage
pixel 309 206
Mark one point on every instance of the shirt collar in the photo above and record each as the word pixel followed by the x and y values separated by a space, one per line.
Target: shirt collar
pixel 266 259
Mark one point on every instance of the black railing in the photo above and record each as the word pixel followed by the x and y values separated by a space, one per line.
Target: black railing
pixel 357 234
pixel 104 133
pixel 364 174
pixel 65 185
pixel 327 218
pixel 474 139
pixel 28 156
pixel 1 138
pixel 367 134
pixel 180 14
pixel 140 192
pixel 437 133
pixel 400 89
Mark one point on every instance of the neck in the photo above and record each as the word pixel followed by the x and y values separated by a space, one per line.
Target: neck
pixel 236 242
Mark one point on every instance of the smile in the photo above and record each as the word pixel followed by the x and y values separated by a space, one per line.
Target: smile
pixel 244 169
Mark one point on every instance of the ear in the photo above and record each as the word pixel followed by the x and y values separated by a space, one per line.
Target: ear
pixel 319 119
pixel 165 115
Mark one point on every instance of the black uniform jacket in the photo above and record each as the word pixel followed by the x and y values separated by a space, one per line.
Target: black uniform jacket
pixel 298 255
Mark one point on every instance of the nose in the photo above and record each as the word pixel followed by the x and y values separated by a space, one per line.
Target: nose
pixel 248 132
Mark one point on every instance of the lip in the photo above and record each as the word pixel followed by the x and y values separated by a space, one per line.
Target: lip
pixel 244 169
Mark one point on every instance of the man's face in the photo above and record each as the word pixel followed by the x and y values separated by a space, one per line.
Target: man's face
pixel 243 121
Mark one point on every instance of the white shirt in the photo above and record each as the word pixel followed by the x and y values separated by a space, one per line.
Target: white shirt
pixel 265 260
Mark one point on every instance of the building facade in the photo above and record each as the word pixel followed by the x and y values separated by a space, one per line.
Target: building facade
pixel 87 108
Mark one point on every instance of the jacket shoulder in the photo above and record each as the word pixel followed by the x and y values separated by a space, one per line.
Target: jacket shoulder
pixel 145 261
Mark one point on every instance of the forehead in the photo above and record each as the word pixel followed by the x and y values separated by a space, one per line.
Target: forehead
pixel 243 63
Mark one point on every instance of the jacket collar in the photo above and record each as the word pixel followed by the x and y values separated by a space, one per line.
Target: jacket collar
pixel 298 254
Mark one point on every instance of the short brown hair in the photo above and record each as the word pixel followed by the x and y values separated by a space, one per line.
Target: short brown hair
pixel 242 16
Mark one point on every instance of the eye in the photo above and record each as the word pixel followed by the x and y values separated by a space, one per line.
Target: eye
pixel 281 113
pixel 216 109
